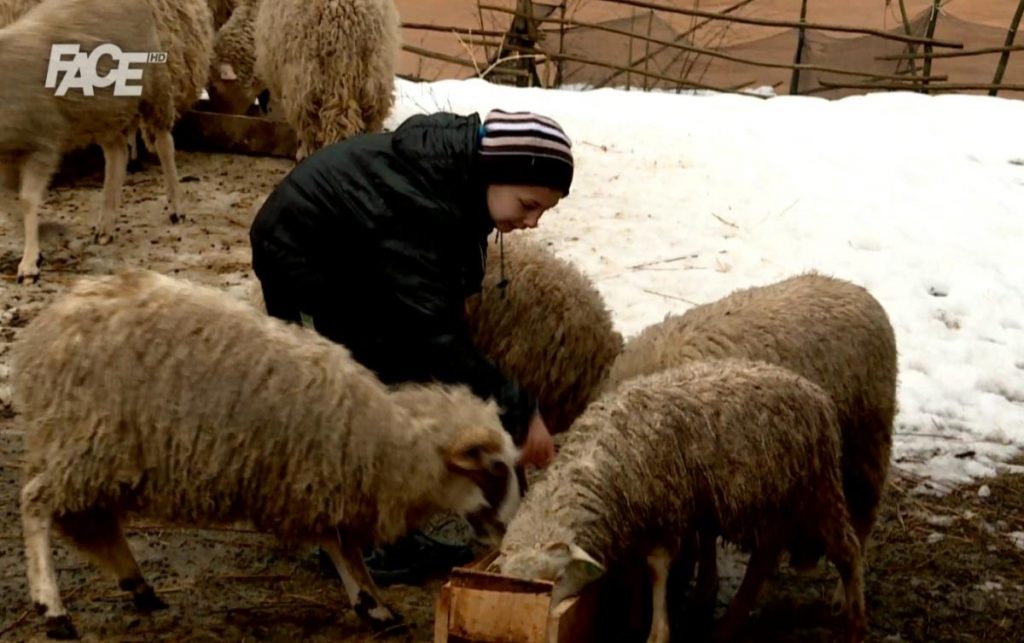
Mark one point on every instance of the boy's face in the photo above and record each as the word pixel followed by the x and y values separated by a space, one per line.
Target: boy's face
pixel 514 207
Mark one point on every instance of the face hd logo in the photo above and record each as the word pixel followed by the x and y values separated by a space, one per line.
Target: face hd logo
pixel 79 69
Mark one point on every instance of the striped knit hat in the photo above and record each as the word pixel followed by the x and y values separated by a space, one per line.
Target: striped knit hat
pixel 523 148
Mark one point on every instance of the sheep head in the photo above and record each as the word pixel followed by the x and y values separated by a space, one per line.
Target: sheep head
pixel 566 565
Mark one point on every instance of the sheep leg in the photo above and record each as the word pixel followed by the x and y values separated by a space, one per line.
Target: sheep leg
pixel 34 178
pixel 36 520
pixel 844 550
pixel 164 143
pixel 706 592
pixel 98 536
pixel 763 561
pixel 362 591
pixel 115 155
pixel 659 561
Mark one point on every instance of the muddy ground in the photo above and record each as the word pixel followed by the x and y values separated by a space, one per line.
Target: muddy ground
pixel 942 569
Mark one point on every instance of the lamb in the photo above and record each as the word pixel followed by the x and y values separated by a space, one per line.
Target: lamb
pixel 830 331
pixel 745 450
pixel 240 417
pixel 329 66
pixel 37 127
pixel 548 327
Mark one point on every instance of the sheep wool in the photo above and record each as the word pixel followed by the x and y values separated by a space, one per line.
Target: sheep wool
pixel 548 327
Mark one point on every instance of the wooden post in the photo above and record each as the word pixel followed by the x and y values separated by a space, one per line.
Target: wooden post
pixel 560 64
pixel 911 48
pixel 1005 58
pixel 647 50
pixel 632 23
pixel 932 19
pixel 794 81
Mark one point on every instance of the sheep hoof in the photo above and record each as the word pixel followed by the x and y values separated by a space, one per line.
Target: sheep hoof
pixel 148 601
pixel 29 270
pixel 60 628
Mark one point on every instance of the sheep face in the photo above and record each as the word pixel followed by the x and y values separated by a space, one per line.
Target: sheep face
pixel 483 486
pixel 566 565
pixel 478 456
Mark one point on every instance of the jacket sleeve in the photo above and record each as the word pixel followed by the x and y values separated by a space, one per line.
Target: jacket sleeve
pixel 438 343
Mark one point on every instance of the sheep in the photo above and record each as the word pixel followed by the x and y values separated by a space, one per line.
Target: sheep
pixel 746 450
pixel 240 417
pixel 329 66
pixel 830 331
pixel 37 127
pixel 548 327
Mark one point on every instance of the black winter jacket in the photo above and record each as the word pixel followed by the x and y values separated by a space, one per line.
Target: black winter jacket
pixel 381 238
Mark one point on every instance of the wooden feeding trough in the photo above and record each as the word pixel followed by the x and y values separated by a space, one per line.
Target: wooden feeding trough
pixel 476 606
pixel 202 130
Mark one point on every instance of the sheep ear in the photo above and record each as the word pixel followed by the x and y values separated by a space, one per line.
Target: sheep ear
pixel 227 72
pixel 472 450
pixel 579 571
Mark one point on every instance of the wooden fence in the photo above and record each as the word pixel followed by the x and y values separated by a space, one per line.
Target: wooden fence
pixel 532 50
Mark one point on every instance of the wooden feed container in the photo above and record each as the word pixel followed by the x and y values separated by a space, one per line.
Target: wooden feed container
pixel 476 606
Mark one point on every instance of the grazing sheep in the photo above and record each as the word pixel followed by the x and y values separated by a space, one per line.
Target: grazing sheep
pixel 145 394
pixel 745 450
pixel 832 332
pixel 37 127
pixel 548 327
pixel 329 66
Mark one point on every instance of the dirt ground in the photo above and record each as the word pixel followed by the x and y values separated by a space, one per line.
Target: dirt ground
pixel 942 569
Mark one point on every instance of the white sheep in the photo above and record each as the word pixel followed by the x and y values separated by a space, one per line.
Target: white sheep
pixel 830 331
pixel 329 66
pixel 548 327
pixel 37 127
pixel 745 450
pixel 148 394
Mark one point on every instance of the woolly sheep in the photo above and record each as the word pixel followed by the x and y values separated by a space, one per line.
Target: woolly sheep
pixel 745 450
pixel 37 127
pixel 329 66
pixel 830 331
pixel 548 327
pixel 239 417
